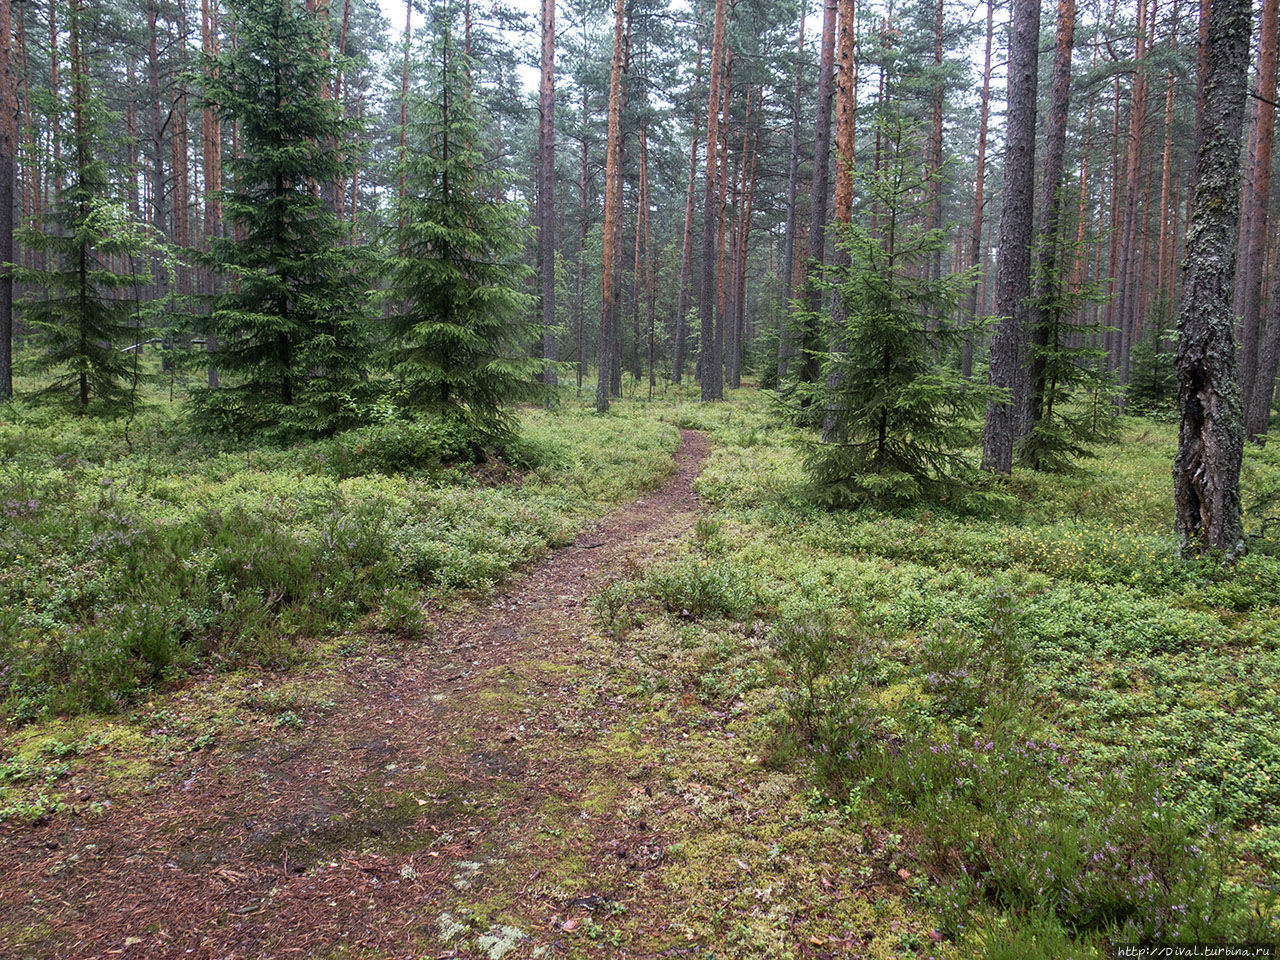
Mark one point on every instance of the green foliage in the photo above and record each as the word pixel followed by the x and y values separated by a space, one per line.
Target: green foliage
pixel 1153 379
pixel 1075 724
pixel 121 571
pixel 458 320
pixel 895 422
pixel 83 309
pixel 1064 370
pixel 966 673
pixel 401 446
pixel 291 326
pixel 827 698
pixel 696 587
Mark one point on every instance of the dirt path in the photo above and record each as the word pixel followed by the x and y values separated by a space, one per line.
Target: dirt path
pixel 440 792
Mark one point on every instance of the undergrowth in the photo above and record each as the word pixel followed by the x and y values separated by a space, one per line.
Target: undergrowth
pixel 1076 727
pixel 131 554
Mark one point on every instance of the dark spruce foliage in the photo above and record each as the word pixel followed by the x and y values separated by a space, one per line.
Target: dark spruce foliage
pixel 896 420
pixel 458 320
pixel 291 326
pixel 83 308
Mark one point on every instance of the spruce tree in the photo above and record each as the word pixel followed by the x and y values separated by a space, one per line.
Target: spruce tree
pixel 458 320
pixel 1068 370
pixel 83 307
pixel 897 421
pixel 291 326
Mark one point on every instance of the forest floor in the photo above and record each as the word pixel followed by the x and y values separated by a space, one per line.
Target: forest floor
pixel 491 791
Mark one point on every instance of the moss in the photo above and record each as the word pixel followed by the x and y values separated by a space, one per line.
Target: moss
pixel 29 939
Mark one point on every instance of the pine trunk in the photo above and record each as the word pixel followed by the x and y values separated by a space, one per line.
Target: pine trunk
pixel 1127 294
pixel 786 347
pixel 1013 266
pixel 842 209
pixel 680 333
pixel 609 232
pixel 816 253
pixel 1257 390
pixel 1043 310
pixel 973 310
pixel 711 376
pixel 546 191
pixel 8 182
pixel 1206 472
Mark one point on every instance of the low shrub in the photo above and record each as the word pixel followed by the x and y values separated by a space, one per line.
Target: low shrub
pixel 697 587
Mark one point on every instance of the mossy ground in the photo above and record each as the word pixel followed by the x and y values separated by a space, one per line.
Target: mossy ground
pixel 508 776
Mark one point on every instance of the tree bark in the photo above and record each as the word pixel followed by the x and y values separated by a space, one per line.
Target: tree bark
pixel 1167 228
pixel 816 253
pixel 786 348
pixel 159 211
pixel 8 181
pixel 546 190
pixel 846 99
pixel 972 311
pixel 1127 289
pixel 211 157
pixel 722 195
pixel 936 103
pixel 611 198
pixel 711 376
pixel 680 336
pixel 582 248
pixel 1206 473
pixel 1013 267
pixel 1042 309
pixel 1253 240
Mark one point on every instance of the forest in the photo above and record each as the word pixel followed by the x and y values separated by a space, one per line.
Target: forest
pixel 639 478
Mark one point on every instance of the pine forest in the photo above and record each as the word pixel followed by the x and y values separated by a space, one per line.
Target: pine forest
pixel 761 479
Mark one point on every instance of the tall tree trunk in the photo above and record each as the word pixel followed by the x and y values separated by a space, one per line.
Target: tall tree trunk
pixel 582 249
pixel 1264 388
pixel 1112 309
pixel 1044 310
pixel 1206 473
pixel 55 121
pixel 722 194
pixel 1127 294
pixel 1013 267
pixel 546 190
pixel 8 182
pixel 816 253
pixel 786 346
pixel 619 186
pixel 972 309
pixel 404 94
pixel 1253 240
pixel 1167 228
pixel 741 338
pixel 611 198
pixel 211 155
pixel 842 210
pixel 159 210
pixel 680 332
pixel 934 166
pixel 711 375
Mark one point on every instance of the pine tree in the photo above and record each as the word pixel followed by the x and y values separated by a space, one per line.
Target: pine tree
pixel 458 317
pixel 291 326
pixel 83 306
pixel 897 422
pixel 1206 472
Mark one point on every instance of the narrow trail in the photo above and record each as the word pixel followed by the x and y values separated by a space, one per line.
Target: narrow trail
pixel 465 778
